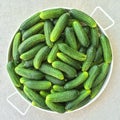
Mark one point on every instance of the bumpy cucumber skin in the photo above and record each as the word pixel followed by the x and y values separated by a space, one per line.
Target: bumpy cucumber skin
pixel 91 52
pixel 81 34
pixel 107 52
pixel 63 96
pixel 30 21
pixel 71 52
pixel 33 30
pixel 49 70
pixel 14 77
pixel 28 73
pixel 68 70
pixel 70 38
pixel 48 27
pixel 52 13
pixel 31 42
pixel 40 56
pixel 93 73
pixel 32 52
pixel 16 43
pixel 83 94
pixel 77 81
pixel 57 30
pixel 83 17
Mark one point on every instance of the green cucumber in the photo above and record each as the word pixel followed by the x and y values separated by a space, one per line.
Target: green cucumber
pixel 83 94
pixel 86 29
pixel 69 61
pixel 71 52
pixel 59 27
pixel 44 93
pixel 83 17
pixel 70 38
pixel 52 91
pixel 82 50
pixel 53 54
pixel 14 77
pixel 103 73
pixel 91 52
pixel 107 52
pixel 54 80
pixel 77 81
pixel 33 30
pixel 49 70
pixel 30 21
pixel 28 63
pixel 32 52
pixel 40 56
pixel 81 34
pixel 16 43
pixel 34 103
pixel 68 70
pixel 48 27
pixel 58 88
pixel 93 73
pixel 31 42
pixel 29 73
pixel 70 22
pixel 52 13
pixel 62 96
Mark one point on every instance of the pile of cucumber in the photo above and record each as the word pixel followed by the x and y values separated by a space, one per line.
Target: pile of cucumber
pixel 59 59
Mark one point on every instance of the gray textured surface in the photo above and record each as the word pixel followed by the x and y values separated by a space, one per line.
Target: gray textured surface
pixel 12 13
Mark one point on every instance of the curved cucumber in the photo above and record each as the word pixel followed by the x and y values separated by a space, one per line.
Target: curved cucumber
pixel 70 37
pixel 81 34
pixel 59 27
pixel 68 70
pixel 107 53
pixel 31 42
pixel 52 13
pixel 77 81
pixel 49 70
pixel 93 73
pixel 33 30
pixel 58 88
pixel 71 52
pixel 40 56
pixel 91 52
pixel 14 77
pixel 81 16
pixel 68 60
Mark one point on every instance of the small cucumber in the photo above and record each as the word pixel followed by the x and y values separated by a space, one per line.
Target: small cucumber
pixel 68 70
pixel 33 96
pixel 77 81
pixel 59 27
pixel 40 56
pixel 81 34
pixel 53 54
pixel 34 103
pixel 83 17
pixel 55 106
pixel 52 91
pixel 54 80
pixel 71 52
pixel 14 77
pixel 70 22
pixel 28 63
pixel 62 96
pixel 49 70
pixel 48 27
pixel 93 73
pixel 16 43
pixel 86 29
pixel 52 13
pixel 29 73
pixel 94 37
pixel 103 73
pixel 91 52
pixel 58 88
pixel 68 60
pixel 70 38
pixel 30 21
pixel 33 30
pixel 32 52
pixel 83 94
pixel 107 52
pixel 31 42
pixel 44 93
